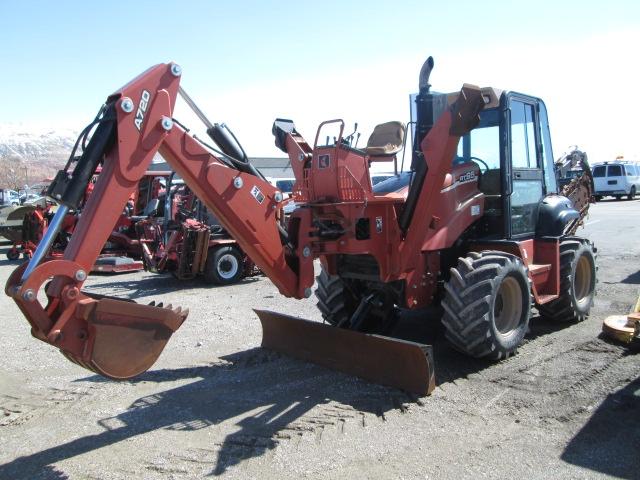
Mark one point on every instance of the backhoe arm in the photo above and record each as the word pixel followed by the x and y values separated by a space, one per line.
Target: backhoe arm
pixel 119 338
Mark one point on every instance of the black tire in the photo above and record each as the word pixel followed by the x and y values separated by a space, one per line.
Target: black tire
pixel 618 197
pixel 577 282
pixel 224 265
pixel 487 305
pixel 598 198
pixel 335 301
pixel 13 254
pixel 632 193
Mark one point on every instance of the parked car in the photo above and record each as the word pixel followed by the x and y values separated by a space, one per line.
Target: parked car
pixel 616 179
pixel 376 178
pixel 285 185
pixel 29 198
pixel 9 197
pixel 11 218
pixel 570 175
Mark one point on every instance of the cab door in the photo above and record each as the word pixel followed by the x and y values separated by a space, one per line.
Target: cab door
pixel 525 169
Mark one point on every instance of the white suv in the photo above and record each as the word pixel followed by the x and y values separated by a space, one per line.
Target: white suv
pixel 616 179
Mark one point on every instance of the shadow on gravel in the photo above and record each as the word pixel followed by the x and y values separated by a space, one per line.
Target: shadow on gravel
pixel 633 279
pixel 609 443
pixel 270 393
pixel 540 326
pixel 269 399
pixel 450 364
pixel 151 285
pixel 5 261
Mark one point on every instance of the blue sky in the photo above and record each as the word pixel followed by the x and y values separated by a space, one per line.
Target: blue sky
pixel 248 62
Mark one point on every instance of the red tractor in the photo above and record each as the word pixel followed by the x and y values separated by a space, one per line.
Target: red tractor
pixel 187 241
pixel 122 250
pixel 476 227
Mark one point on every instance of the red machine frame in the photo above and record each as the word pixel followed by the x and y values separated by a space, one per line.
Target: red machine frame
pixel 332 180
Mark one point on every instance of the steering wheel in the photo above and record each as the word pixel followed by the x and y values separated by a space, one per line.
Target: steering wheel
pixel 481 163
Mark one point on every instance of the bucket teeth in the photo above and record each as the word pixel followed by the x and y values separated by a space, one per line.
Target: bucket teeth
pixel 183 313
pixel 180 312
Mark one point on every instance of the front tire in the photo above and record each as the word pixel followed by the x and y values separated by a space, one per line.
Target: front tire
pixel 224 266
pixel 632 193
pixel 487 305
pixel 577 282
pixel 13 254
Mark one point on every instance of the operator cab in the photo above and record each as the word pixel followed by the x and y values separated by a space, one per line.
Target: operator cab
pixel 512 148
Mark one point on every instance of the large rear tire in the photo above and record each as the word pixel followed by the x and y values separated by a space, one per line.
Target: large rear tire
pixel 577 282
pixel 487 305
pixel 335 301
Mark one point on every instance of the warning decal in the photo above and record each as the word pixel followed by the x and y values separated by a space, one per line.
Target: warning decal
pixel 257 194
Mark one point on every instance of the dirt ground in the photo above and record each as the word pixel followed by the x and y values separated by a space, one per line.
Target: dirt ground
pixel 567 406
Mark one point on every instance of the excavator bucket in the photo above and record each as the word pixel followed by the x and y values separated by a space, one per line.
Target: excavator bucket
pixel 113 337
pixel 125 338
pixel 388 361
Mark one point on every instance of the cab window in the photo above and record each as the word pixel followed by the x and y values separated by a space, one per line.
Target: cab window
pixel 547 152
pixel 523 140
pixel 482 147
pixel 482 144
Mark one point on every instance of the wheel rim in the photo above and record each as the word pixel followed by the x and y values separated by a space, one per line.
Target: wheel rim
pixel 582 280
pixel 228 266
pixel 507 309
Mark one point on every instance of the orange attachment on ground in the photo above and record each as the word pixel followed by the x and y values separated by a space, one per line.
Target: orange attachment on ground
pixel 115 338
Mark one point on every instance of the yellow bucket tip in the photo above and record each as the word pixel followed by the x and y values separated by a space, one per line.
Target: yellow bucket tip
pixel 621 327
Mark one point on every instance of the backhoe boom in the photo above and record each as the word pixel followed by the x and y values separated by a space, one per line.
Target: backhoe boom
pixel 119 338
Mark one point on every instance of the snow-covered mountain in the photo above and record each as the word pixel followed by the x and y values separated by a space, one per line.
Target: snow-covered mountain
pixel 31 153
pixel 36 143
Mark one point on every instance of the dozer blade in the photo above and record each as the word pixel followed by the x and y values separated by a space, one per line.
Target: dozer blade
pixel 125 338
pixel 388 361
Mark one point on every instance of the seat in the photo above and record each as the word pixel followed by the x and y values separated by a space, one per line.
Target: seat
pixel 490 182
pixel 491 185
pixel 150 210
pixel 386 140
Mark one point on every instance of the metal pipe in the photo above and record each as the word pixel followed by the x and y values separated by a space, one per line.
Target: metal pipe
pixel 194 107
pixel 168 202
pixel 45 243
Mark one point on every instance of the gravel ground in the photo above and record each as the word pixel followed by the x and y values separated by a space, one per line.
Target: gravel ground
pixel 567 406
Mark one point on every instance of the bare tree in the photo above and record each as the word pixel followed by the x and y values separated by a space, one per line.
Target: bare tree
pixel 13 172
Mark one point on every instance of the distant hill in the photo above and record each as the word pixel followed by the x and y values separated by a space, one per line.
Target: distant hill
pixel 32 153
pixel 29 154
